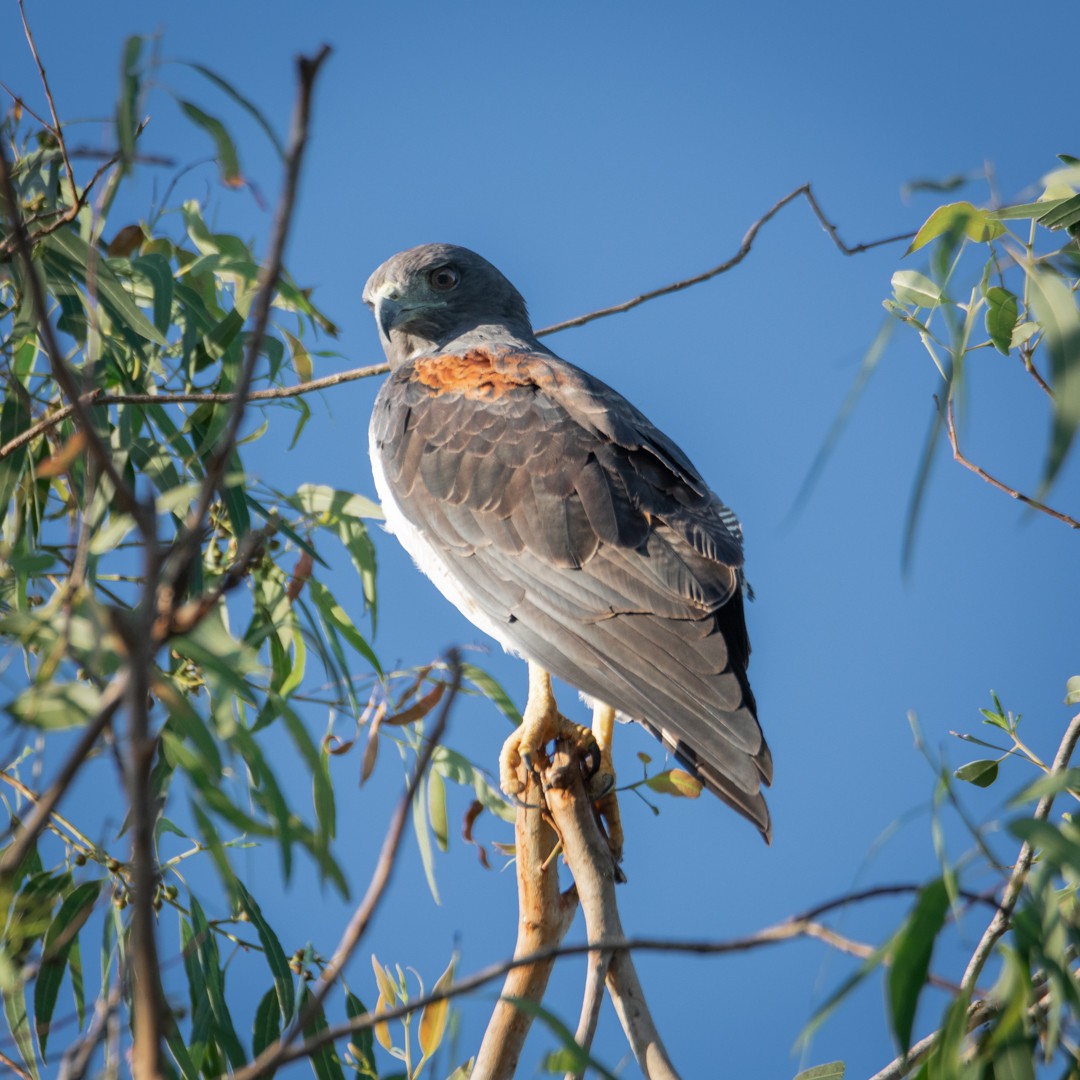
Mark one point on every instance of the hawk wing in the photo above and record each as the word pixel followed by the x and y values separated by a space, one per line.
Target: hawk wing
pixel 563 523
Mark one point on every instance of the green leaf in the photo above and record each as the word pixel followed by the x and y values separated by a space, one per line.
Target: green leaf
pixel 676 782
pixel 911 287
pixel 423 839
pixel 275 955
pixel 242 101
pixel 56 948
pixel 155 269
pixel 1055 308
pixel 55 706
pixel 267 1025
pixel 214 983
pixel 976 224
pixel 492 690
pixel 1026 211
pixel 227 158
pixel 66 250
pixel 437 809
pixel 980 773
pixel 1052 784
pixel 1063 215
pixel 912 949
pixel 1001 312
pixel 362 1042
pixel 834 1070
pixel 301 358
pixel 126 120
pixel 324 1062
pixel 1072 690
pixel 19 1026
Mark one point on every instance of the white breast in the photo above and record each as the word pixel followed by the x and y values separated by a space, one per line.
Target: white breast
pixel 429 559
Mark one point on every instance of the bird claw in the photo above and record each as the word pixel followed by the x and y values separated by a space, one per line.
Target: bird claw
pixel 526 749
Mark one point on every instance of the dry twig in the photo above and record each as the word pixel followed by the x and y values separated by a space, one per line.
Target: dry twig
pixel 950 428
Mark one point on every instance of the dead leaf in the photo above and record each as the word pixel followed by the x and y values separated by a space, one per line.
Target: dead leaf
pixel 63 459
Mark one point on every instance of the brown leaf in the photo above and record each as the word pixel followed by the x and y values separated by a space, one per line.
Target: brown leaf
pixel 419 709
pixel 476 808
pixel 371 750
pixel 301 572
pixel 334 744
pixel 127 241
pixel 63 459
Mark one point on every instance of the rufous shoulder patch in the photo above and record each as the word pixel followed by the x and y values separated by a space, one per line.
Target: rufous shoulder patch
pixel 475 374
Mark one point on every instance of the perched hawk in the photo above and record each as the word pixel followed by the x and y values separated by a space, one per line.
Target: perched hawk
pixel 561 522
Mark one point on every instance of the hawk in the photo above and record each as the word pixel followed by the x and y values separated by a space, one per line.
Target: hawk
pixel 561 522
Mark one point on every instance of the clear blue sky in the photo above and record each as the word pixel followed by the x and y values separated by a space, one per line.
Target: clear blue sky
pixel 593 152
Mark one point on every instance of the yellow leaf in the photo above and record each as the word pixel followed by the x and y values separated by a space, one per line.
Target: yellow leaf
pixel 676 782
pixel 433 1018
pixel 382 1029
pixel 384 981
pixel 301 358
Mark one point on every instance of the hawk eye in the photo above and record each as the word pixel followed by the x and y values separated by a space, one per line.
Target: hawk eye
pixel 444 278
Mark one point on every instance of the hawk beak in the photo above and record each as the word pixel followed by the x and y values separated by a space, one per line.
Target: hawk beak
pixel 387 312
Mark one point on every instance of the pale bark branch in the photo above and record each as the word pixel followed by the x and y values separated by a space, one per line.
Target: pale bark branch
pixel 544 916
pixel 594 871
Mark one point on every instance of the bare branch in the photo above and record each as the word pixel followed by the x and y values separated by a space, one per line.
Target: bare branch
pixel 1000 922
pixel 950 428
pixel 186 546
pixel 544 916
pixel 15 1068
pixel 804 190
pixel 30 830
pixel 56 128
pixel 278 1052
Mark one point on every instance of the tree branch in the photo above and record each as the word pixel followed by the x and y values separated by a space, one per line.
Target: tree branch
pixel 187 544
pixel 593 868
pixel 276 393
pixel 544 915
pixel 1000 922
pixel 950 428
pixel 804 191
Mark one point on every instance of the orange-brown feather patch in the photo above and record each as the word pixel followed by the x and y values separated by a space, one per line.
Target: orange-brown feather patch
pixel 475 374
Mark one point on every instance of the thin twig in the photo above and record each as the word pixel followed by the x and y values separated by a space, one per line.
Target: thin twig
pixel 186 546
pixel 14 1067
pixel 804 190
pixel 999 924
pixel 950 428
pixel 278 1052
pixel 56 128
pixel 99 398
pixel 787 930
pixel 30 830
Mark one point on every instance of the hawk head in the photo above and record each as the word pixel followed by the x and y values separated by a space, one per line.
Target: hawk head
pixel 428 296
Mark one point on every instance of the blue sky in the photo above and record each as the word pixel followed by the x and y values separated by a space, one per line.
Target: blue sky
pixel 593 152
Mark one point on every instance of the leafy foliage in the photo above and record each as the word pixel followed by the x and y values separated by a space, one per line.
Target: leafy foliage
pixel 153 320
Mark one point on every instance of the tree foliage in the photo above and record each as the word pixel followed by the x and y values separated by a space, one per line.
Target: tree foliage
pixel 145 572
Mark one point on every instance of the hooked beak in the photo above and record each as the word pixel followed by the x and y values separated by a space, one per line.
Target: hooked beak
pixel 386 313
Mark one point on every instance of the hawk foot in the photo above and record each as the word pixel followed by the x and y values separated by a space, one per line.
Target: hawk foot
pixel 526 750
